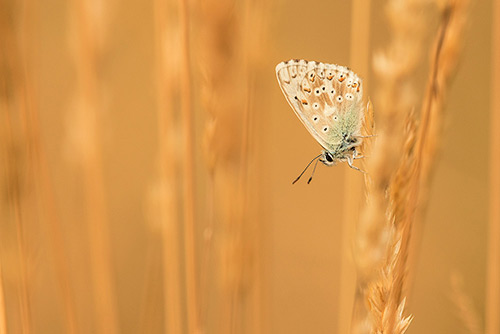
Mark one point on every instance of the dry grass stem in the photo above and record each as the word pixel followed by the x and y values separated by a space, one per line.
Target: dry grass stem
pixel 492 317
pixel 3 321
pixel 395 68
pixel 42 180
pixel 368 130
pixel 218 53
pixel 466 312
pixel 88 30
pixel 169 188
pixel 193 309
pixel 229 32
pixel 406 185
pixel 17 178
pixel 353 188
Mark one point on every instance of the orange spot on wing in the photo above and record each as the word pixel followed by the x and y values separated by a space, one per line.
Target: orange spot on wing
pixel 330 77
pixel 341 79
pixel 304 102
pixel 307 89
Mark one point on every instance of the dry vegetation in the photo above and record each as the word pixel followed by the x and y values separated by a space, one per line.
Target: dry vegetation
pixel 199 203
pixel 397 182
pixel 225 262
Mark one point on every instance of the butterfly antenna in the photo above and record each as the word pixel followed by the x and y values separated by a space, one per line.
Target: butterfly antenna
pixel 309 164
pixel 314 170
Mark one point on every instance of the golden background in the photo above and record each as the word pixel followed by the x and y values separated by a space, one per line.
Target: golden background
pixel 95 235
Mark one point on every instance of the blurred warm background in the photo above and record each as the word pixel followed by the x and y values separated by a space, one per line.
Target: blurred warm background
pixel 147 155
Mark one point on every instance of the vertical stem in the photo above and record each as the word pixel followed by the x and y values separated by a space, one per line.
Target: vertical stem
pixel 44 191
pixel 253 22
pixel 93 179
pixel 3 322
pixel 16 144
pixel 493 267
pixel 17 209
pixel 25 305
pixel 169 166
pixel 189 151
pixel 360 42
pixel 244 236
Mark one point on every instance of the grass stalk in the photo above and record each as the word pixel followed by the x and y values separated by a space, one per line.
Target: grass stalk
pixel 43 183
pixel 188 176
pixel 407 184
pixel 169 164
pixel 222 227
pixel 395 67
pixel 397 186
pixel 492 318
pixel 24 298
pixel 3 320
pixel 360 43
pixel 229 34
pixel 248 278
pixel 16 149
pixel 217 50
pixel 53 225
pixel 91 165
pixel 465 308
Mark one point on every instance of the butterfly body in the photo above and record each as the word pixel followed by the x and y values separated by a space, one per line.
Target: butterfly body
pixel 327 99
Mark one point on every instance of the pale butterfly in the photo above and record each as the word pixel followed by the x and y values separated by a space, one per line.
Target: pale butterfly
pixel 328 100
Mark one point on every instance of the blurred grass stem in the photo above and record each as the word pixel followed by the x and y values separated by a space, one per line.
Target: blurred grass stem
pixel 189 154
pixel 492 318
pixel 91 164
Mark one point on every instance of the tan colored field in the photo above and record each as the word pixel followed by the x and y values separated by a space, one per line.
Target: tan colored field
pixel 147 155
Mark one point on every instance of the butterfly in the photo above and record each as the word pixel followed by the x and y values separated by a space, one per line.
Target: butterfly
pixel 327 99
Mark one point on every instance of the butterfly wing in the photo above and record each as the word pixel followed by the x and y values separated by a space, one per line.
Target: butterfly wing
pixel 327 99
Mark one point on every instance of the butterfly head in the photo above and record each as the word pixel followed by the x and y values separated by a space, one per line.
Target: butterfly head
pixel 327 158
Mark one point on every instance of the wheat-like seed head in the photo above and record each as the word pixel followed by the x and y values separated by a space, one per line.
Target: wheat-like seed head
pixel 396 190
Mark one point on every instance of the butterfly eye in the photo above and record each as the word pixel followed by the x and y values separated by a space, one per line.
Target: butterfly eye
pixel 339 98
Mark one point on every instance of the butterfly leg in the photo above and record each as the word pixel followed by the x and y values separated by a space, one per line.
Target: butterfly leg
pixel 356 156
pixel 350 161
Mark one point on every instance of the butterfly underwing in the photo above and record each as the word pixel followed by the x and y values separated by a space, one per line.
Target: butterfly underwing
pixel 327 99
